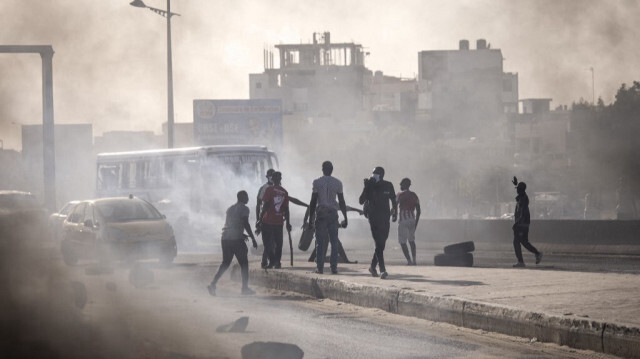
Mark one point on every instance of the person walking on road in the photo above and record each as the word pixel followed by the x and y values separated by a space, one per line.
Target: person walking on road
pixel 233 242
pixel 409 205
pixel 521 226
pixel 274 214
pixel 324 208
pixel 375 197
pixel 261 193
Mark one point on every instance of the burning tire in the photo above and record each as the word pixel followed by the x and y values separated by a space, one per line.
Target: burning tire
pixel 454 260
pixel 460 248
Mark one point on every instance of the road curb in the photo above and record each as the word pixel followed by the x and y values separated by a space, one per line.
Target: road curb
pixel 575 332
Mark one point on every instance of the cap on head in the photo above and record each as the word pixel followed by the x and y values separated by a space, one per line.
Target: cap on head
pixel 379 170
pixel 405 182
pixel 327 167
pixel 521 186
pixel 270 172
pixel 276 176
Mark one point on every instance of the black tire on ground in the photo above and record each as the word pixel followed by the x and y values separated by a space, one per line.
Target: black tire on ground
pixel 68 256
pixel 453 260
pixel 459 248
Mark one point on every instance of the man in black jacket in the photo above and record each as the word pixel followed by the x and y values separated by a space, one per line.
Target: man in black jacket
pixel 375 197
pixel 521 226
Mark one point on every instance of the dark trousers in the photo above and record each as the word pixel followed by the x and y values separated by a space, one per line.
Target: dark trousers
pixel 380 233
pixel 230 248
pixel 272 241
pixel 326 232
pixel 521 237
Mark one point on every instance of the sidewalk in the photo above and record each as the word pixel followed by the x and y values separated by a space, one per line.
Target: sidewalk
pixel 595 311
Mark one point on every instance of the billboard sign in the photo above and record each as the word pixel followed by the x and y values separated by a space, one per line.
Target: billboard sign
pixel 238 122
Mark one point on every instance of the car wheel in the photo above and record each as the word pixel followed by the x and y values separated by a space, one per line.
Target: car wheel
pixel 68 256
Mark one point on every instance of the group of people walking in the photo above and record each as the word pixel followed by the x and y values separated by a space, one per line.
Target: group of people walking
pixel 381 204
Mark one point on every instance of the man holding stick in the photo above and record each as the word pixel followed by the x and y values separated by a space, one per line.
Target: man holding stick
pixel 275 212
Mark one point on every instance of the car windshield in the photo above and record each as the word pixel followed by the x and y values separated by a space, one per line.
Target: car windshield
pixel 127 210
pixel 67 208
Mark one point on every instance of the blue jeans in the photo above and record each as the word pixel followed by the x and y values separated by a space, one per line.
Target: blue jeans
pixel 326 229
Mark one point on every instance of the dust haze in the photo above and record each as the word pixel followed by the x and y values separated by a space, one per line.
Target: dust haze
pixel 110 58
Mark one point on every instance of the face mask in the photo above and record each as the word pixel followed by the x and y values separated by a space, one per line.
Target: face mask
pixel 376 177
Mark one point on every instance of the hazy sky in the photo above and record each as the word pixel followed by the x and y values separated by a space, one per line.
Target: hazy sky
pixel 110 58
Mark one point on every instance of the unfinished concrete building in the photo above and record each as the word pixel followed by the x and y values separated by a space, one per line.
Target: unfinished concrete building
pixel 465 91
pixel 317 80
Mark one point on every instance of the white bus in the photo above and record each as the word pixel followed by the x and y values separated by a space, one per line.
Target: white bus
pixel 192 186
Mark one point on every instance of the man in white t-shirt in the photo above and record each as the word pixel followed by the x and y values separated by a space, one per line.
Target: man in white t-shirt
pixel 324 208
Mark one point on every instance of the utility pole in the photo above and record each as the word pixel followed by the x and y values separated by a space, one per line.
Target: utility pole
pixel 48 137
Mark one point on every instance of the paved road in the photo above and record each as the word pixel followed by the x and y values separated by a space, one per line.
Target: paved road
pixel 84 312
pixel 175 316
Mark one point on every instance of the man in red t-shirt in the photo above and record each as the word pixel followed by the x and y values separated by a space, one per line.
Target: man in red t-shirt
pixel 408 221
pixel 275 211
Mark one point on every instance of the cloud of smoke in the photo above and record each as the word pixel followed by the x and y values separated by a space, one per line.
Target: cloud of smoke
pixel 110 61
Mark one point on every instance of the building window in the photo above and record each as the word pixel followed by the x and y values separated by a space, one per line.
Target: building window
pixel 507 85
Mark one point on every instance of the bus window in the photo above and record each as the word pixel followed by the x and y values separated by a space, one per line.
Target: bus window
pixel 167 173
pixel 141 174
pixel 108 177
pixel 124 175
pixel 157 176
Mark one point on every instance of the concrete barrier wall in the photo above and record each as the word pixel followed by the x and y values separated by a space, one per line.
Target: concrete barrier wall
pixel 601 233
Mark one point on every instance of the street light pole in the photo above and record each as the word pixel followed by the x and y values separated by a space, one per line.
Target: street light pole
pixel 167 14
pixel 593 85
pixel 169 80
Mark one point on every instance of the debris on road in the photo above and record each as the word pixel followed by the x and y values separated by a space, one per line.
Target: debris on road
pixel 239 326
